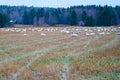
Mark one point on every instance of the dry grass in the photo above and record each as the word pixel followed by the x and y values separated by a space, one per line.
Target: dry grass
pixel 35 57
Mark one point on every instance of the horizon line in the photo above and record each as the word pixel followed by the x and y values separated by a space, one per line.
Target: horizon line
pixel 56 7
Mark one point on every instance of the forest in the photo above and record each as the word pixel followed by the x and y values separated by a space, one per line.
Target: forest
pixel 75 15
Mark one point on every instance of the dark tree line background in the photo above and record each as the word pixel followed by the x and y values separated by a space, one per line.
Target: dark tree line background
pixel 4 20
pixel 76 15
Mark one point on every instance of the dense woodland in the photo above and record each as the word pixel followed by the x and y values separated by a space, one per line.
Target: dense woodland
pixel 76 15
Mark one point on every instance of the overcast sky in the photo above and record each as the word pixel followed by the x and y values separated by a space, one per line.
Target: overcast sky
pixel 59 3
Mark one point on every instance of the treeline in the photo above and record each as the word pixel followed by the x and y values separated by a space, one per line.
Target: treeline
pixel 4 20
pixel 76 15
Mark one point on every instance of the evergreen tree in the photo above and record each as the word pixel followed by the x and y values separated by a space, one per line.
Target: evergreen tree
pixel 32 14
pixel 114 17
pixel 84 16
pixel 73 18
pixel 117 10
pixel 42 12
pixel 38 15
pixel 89 21
pixel 25 18
pixel 105 16
pixel 4 20
pixel 55 17
pixel 99 16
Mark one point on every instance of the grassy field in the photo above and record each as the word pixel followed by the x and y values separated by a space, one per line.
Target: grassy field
pixel 26 54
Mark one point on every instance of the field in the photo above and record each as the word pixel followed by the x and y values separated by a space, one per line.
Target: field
pixel 60 53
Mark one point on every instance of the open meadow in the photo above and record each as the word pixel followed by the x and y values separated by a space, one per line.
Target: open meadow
pixel 60 53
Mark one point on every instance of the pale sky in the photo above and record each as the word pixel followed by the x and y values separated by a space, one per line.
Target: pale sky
pixel 59 3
